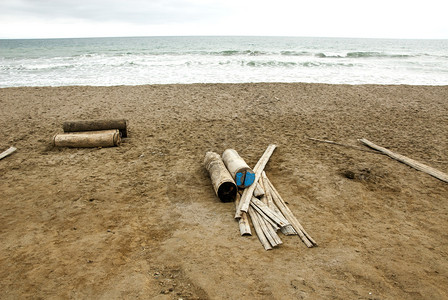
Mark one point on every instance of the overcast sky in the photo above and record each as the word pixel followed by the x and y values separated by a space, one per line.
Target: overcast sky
pixel 323 18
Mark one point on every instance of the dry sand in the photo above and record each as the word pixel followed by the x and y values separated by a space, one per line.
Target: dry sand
pixel 142 220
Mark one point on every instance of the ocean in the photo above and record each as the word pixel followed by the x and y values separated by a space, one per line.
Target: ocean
pixel 164 60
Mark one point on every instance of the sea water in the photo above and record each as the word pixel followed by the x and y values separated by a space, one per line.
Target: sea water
pixel 162 60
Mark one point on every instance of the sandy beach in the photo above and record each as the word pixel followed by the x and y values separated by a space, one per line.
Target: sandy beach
pixel 142 220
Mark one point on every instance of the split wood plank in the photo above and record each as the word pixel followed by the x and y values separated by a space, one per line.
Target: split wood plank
pixel 304 236
pixel 287 230
pixel 7 152
pixel 260 206
pixel 408 161
pixel 258 230
pixel 264 216
pixel 243 222
pixel 248 192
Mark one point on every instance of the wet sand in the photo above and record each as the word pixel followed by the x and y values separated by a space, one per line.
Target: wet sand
pixel 142 220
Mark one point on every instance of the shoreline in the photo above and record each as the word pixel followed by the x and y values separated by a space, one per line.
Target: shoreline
pixel 142 219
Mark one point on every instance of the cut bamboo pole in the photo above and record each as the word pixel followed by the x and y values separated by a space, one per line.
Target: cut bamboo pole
pixel 95 125
pixel 269 231
pixel 408 161
pixel 7 152
pixel 88 139
pixel 258 205
pixel 242 174
pixel 222 181
pixel 248 192
pixel 243 222
pixel 264 216
pixel 287 230
pixel 258 192
pixel 258 230
pixel 304 236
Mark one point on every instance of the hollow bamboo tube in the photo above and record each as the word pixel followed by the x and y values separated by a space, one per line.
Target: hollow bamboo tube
pixel 88 139
pixel 248 192
pixel 242 174
pixel 223 184
pixel 95 125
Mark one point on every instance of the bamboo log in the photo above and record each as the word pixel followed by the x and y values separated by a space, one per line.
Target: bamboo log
pixel 222 181
pixel 243 222
pixel 408 161
pixel 95 125
pixel 287 230
pixel 7 152
pixel 304 236
pixel 238 168
pixel 88 139
pixel 258 230
pixel 248 192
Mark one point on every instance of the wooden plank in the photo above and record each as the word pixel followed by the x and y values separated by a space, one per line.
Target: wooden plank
pixel 287 230
pixel 304 236
pixel 408 161
pixel 264 216
pixel 7 152
pixel 258 230
pixel 280 220
pixel 248 192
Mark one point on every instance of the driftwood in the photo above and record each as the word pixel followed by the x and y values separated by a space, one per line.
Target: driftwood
pixel 88 139
pixel 304 236
pixel 7 152
pixel 258 229
pixel 95 125
pixel 269 213
pixel 238 168
pixel 286 230
pixel 408 161
pixel 223 184
pixel 340 144
pixel 259 191
pixel 243 222
pixel 248 192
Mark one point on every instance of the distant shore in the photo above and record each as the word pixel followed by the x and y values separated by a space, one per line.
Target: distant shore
pixel 142 220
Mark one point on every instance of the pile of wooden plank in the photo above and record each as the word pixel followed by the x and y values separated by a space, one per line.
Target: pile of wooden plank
pixel 260 203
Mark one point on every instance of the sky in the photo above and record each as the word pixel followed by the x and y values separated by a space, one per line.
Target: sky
pixel 317 18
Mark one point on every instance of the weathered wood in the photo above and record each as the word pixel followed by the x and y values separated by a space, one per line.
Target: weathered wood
pixel 7 152
pixel 280 220
pixel 408 161
pixel 248 192
pixel 304 236
pixel 243 222
pixel 268 230
pixel 286 230
pixel 88 139
pixel 223 184
pixel 264 216
pixel 242 174
pixel 258 230
pixel 258 192
pixel 340 144
pixel 96 125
